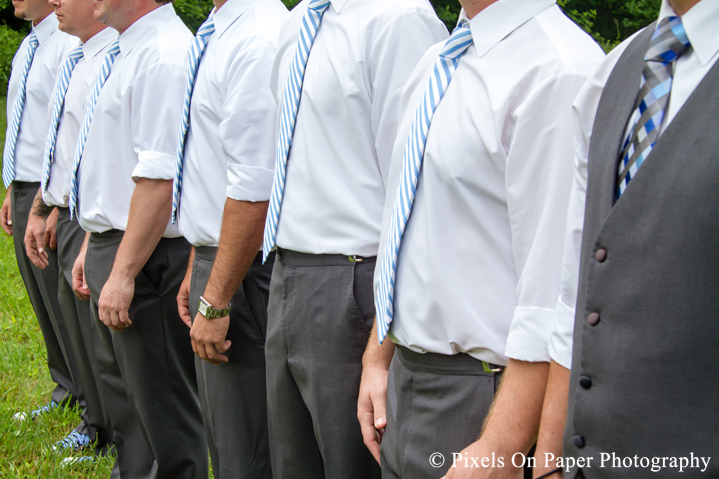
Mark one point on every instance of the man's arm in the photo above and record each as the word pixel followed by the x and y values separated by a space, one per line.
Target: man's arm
pixel 6 212
pixel 79 283
pixel 37 229
pixel 243 225
pixel 512 423
pixel 183 296
pixel 372 401
pixel 150 210
pixel 554 416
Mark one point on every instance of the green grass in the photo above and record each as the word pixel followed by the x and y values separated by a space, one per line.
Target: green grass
pixel 25 381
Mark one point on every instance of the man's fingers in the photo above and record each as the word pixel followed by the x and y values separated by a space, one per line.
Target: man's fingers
pixel 204 353
pixel 379 404
pixel 223 346
pixel 365 415
pixel 125 318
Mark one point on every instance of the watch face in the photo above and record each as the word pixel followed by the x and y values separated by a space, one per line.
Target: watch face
pixel 203 308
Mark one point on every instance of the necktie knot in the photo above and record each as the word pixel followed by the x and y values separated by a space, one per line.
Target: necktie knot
pixel 669 41
pixel 319 6
pixel 33 41
pixel 207 28
pixel 458 42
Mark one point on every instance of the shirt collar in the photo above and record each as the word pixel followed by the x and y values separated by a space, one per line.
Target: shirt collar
pixel 45 28
pixel 230 11
pixel 132 36
pixel 497 21
pixel 700 25
pixel 98 42
pixel 338 4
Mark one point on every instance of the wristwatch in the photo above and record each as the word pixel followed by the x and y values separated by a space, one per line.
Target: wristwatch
pixel 206 309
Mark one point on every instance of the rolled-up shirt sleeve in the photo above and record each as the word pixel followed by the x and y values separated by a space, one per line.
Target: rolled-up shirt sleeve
pixel 248 129
pixel 538 182
pixel 584 111
pixel 156 113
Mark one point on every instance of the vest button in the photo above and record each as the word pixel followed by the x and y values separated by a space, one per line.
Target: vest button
pixel 585 382
pixel 593 319
pixel 578 441
pixel 601 255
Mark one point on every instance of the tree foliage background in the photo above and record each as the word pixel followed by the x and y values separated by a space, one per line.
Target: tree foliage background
pixel 608 21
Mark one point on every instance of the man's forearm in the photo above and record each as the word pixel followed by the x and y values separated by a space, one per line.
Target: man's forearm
pixel 39 208
pixel 554 416
pixel 513 421
pixel 376 354
pixel 150 210
pixel 243 224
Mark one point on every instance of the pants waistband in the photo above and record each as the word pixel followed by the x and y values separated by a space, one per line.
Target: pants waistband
pixel 114 234
pixel 25 184
pixel 460 364
pixel 295 258
pixel 209 253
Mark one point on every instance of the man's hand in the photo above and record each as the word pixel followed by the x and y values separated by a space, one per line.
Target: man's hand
pixel 372 400
pixel 51 230
pixel 208 338
pixel 79 285
pixel 114 302
pixel 35 235
pixel 5 212
pixel 371 407
pixel 470 469
pixel 183 296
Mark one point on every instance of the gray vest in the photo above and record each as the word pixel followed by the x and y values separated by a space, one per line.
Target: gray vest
pixel 645 376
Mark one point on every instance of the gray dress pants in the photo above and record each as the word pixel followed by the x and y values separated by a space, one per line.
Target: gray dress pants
pixel 233 395
pixel 148 368
pixel 42 286
pixel 436 405
pixel 321 309
pixel 77 333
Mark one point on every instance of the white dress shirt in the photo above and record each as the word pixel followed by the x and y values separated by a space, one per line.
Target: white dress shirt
pixel 700 24
pixel 52 48
pixel 362 55
pixel 134 129
pixel 479 266
pixel 229 151
pixel 82 80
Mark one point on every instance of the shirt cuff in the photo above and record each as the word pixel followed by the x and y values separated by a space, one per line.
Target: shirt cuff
pixel 155 166
pixel 529 334
pixel 249 183
pixel 560 344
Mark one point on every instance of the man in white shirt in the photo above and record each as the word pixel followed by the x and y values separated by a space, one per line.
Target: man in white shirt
pixel 635 321
pixel 78 72
pixel 134 260
pixel 227 169
pixel 327 234
pixel 477 273
pixel 35 68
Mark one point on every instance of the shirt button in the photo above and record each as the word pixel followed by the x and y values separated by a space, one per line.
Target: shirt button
pixel 585 382
pixel 593 319
pixel 601 255
pixel 578 441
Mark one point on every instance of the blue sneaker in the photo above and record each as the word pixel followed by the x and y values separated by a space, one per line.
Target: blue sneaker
pixel 22 416
pixel 75 441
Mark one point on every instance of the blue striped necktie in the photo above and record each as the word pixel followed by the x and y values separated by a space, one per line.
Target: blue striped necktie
pixel 89 111
pixel 668 43
pixel 444 68
pixel 195 56
pixel 8 169
pixel 61 85
pixel 293 91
